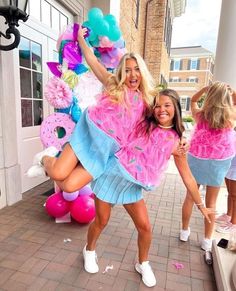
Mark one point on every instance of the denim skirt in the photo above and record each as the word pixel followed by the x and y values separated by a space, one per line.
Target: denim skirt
pixel 209 172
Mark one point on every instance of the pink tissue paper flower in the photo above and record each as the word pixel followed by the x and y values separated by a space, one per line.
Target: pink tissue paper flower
pixel 58 93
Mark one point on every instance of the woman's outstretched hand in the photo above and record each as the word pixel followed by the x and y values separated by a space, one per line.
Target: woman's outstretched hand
pixel 82 32
pixel 206 212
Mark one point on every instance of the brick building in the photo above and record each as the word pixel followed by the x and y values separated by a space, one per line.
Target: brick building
pixel 191 68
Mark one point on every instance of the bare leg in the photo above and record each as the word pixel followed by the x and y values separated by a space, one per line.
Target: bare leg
pixel 60 168
pixel 138 213
pixel 187 209
pixel 232 195
pixel 229 200
pixel 211 196
pixel 78 178
pixel 103 211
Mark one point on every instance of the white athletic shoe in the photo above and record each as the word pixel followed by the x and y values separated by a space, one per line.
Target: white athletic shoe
pixel 90 261
pixel 147 274
pixel 35 171
pixel 206 244
pixel 184 234
pixel 50 151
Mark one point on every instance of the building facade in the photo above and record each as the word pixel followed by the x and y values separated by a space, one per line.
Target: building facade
pixel 146 27
pixel 191 68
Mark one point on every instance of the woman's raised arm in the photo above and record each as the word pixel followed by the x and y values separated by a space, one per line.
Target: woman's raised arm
pixel 98 69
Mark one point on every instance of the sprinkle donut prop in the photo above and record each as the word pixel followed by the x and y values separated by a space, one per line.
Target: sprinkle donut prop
pixel 50 126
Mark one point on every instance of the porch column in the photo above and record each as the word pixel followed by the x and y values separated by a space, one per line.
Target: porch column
pixel 225 62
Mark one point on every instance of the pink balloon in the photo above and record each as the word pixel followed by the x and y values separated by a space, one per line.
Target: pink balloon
pixel 70 196
pixel 86 190
pixel 56 205
pixel 83 209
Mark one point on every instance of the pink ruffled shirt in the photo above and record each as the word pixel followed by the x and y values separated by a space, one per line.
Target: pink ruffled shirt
pixel 214 144
pixel 118 120
pixel 146 158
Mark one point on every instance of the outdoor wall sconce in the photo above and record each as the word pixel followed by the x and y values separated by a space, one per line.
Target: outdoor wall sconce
pixel 12 12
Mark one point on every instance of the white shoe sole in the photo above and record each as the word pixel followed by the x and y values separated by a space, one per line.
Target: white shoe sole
pixel 137 268
pixel 86 268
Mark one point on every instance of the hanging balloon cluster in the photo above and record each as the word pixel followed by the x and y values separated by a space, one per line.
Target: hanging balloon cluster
pixel 73 88
pixel 79 204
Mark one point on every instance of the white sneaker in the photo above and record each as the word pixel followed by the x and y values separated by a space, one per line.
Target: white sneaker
pixel 36 171
pixel 146 271
pixel 226 228
pixel 206 244
pixel 90 261
pixel 50 151
pixel 184 234
pixel 224 218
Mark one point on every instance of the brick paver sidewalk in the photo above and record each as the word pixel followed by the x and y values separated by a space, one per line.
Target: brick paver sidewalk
pixel 34 256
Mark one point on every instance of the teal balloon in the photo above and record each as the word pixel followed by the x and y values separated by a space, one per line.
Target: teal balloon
pixel 102 27
pixel 92 35
pixel 95 43
pixel 110 19
pixel 114 33
pixel 94 15
pixel 87 24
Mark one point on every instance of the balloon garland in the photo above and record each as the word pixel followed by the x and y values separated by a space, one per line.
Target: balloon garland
pixel 73 88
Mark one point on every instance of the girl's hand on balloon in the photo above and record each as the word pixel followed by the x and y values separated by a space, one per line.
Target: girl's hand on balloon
pixel 82 32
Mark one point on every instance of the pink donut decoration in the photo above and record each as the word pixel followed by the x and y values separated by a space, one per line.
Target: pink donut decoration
pixel 49 129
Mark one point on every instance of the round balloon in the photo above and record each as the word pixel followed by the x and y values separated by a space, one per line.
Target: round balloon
pixel 83 209
pixel 56 205
pixel 86 190
pixel 70 196
pixel 94 15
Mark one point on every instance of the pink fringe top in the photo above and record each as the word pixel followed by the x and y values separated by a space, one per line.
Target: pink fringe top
pixel 145 158
pixel 118 120
pixel 214 144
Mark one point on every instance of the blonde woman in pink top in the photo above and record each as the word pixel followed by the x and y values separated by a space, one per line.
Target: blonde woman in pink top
pixel 212 148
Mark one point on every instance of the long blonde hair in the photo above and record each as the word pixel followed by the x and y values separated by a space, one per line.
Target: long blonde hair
pixel 116 83
pixel 218 108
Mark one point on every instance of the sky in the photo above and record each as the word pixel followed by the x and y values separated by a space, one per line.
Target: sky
pixel 198 25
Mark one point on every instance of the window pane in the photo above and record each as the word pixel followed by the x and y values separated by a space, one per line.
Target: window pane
pixel 37 85
pixel 25 83
pixel 193 65
pixel 46 15
pixel 64 22
pixel 38 112
pixel 26 113
pixel 24 52
pixel 55 19
pixel 36 57
pixel 35 9
pixel 176 65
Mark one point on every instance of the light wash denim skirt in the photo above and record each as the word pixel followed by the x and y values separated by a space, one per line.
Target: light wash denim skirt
pixel 116 185
pixel 209 172
pixel 92 146
pixel 231 175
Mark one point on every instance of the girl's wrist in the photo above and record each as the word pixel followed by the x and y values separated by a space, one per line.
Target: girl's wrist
pixel 200 205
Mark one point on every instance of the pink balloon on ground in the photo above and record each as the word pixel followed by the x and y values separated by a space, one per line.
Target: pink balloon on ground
pixel 70 196
pixel 56 205
pixel 86 190
pixel 83 209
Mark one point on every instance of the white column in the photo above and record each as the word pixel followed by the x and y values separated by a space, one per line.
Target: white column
pixel 225 62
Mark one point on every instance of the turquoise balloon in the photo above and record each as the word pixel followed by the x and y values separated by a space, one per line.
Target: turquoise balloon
pixel 94 15
pixel 102 27
pixel 110 19
pixel 114 33
pixel 92 36
pixel 87 24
